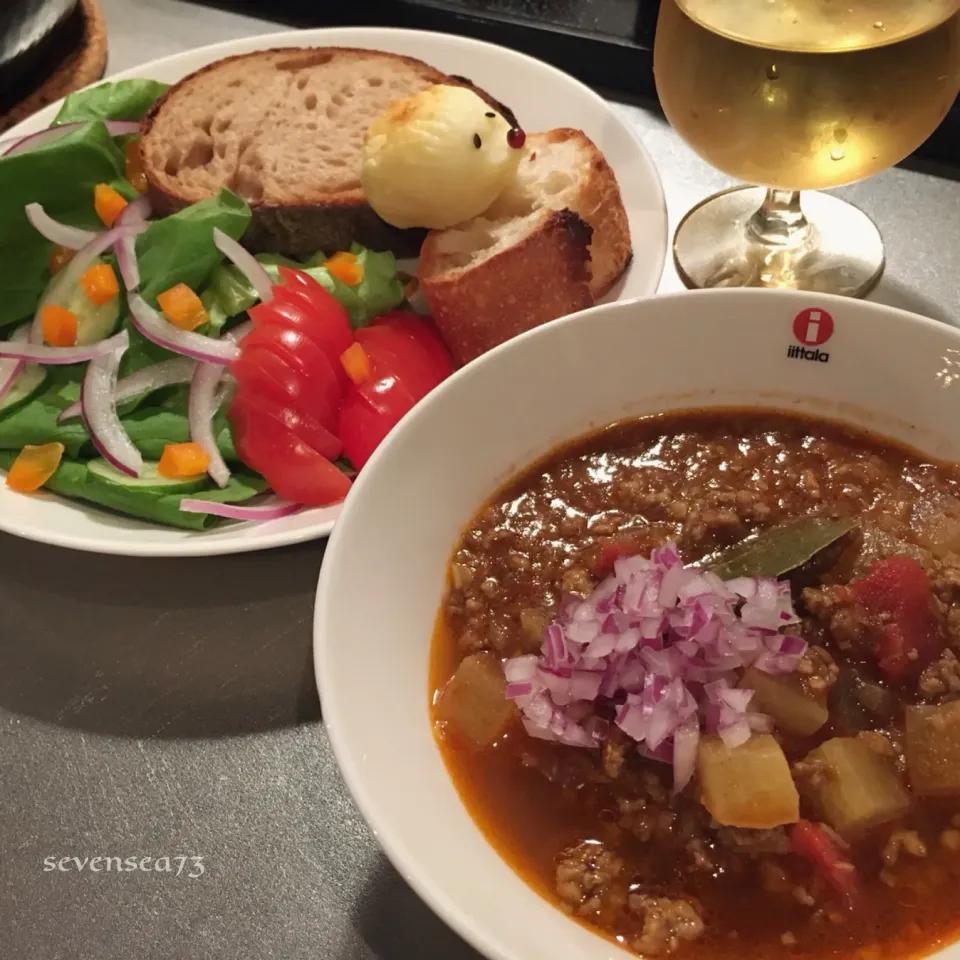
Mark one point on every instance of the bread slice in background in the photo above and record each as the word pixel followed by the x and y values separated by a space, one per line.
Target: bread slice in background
pixel 284 129
pixel 552 244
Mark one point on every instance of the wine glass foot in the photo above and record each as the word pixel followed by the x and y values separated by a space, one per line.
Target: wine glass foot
pixel 838 250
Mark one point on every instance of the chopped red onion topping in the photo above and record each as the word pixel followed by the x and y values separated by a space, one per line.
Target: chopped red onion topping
pixel 654 650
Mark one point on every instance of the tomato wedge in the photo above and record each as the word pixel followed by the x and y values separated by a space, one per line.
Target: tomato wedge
pixel 423 332
pixel 403 370
pixel 297 350
pixel 264 373
pixel 304 427
pixel 361 429
pixel 289 312
pixel 297 409
pixel 387 396
pixel 303 357
pixel 300 303
pixel 392 352
pixel 328 316
pixel 293 469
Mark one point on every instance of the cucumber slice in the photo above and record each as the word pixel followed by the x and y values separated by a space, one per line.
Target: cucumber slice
pixel 149 480
pixel 25 388
pixel 93 323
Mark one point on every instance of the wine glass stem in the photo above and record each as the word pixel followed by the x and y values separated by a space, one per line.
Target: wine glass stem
pixel 780 222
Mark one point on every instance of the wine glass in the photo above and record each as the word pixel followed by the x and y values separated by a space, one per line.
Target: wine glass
pixel 799 95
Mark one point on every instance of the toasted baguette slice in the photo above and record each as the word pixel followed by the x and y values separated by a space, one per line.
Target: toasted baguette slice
pixel 284 129
pixel 563 169
pixel 489 280
pixel 524 263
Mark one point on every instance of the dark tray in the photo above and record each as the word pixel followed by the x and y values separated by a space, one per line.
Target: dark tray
pixel 605 43
pixel 30 32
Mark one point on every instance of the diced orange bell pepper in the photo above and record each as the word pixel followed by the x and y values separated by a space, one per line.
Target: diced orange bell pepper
pixel 59 326
pixel 182 307
pixel 181 461
pixel 108 203
pixel 356 363
pixel 34 467
pixel 346 267
pixel 59 258
pixel 133 169
pixel 100 284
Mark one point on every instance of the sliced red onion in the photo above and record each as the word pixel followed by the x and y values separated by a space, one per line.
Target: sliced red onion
pixel 239 331
pixel 233 511
pixel 14 145
pixel 655 645
pixel 184 342
pixel 73 238
pixel 40 353
pixel 135 212
pixel 63 281
pixel 11 368
pixel 126 250
pixel 204 402
pixel 246 263
pixel 202 408
pixel 134 216
pixel 100 416
pixel 164 374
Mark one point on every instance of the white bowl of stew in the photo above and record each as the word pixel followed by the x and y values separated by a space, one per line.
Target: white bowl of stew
pixel 818 819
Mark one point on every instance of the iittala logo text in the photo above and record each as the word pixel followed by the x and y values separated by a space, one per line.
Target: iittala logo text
pixel 813 327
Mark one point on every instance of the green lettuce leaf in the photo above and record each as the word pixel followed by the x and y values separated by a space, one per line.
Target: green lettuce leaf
pixel 159 420
pixel 73 479
pixel 180 249
pixel 123 100
pixel 35 422
pixel 61 176
pixel 228 294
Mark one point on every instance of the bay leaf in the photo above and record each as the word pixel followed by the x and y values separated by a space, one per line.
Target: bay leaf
pixel 778 550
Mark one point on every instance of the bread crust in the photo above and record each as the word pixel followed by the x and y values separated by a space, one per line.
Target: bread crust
pixel 599 203
pixel 541 278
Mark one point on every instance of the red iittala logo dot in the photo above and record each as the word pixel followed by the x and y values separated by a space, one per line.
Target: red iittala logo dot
pixel 813 326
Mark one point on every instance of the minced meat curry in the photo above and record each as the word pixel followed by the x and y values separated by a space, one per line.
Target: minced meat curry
pixel 695 678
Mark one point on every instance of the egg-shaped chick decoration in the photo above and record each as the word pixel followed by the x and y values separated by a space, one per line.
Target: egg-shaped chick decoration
pixel 438 158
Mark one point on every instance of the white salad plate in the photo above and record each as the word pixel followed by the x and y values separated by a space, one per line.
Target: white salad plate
pixel 872 366
pixel 541 96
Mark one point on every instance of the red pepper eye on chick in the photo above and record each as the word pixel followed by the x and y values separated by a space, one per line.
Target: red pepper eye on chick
pixel 311 390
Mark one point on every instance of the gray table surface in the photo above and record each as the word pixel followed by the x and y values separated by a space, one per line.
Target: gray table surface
pixel 167 708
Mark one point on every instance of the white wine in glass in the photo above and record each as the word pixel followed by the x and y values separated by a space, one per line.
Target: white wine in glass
pixel 799 95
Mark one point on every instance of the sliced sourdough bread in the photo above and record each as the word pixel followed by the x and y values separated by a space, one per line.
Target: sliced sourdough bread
pixel 284 129
pixel 551 245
